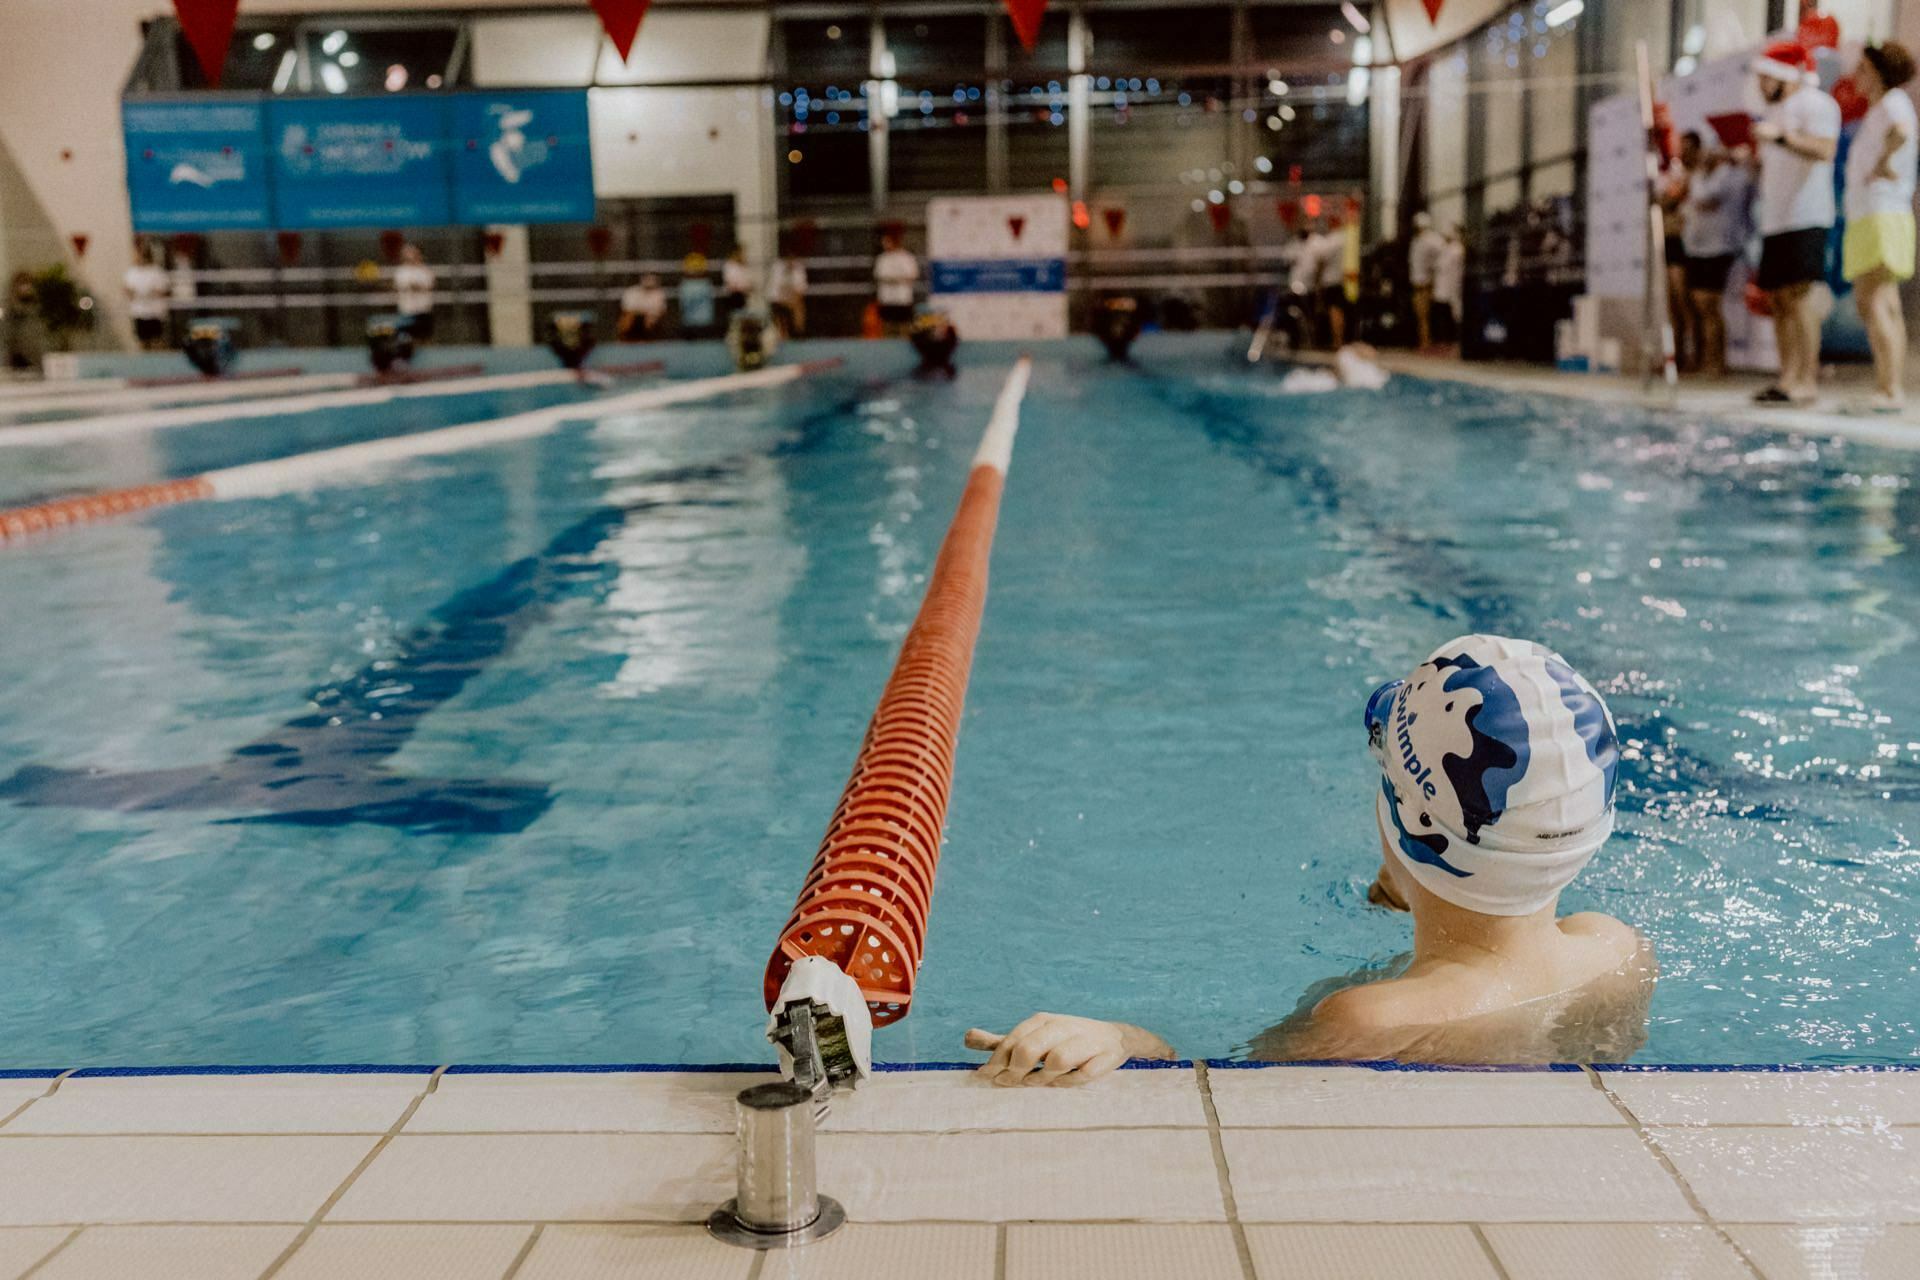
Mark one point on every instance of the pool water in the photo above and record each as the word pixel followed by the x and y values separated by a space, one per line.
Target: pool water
pixel 521 755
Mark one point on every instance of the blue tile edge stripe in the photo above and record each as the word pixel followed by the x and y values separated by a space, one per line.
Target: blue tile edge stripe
pixel 891 1068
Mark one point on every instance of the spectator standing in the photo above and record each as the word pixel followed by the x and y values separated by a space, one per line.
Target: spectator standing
pixel 643 310
pixel 1423 263
pixel 1450 279
pixel 26 332
pixel 736 281
pixel 1675 180
pixel 1715 231
pixel 413 283
pixel 149 298
pixel 1330 258
pixel 787 291
pixel 1796 142
pixel 895 272
pixel 1878 252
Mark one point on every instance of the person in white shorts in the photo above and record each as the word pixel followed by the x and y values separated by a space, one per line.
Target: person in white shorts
pixel 413 285
pixel 149 298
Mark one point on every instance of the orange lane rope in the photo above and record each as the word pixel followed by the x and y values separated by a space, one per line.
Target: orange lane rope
pixel 21 522
pixel 865 900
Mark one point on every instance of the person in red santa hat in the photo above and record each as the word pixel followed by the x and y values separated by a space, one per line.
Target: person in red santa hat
pixel 1795 145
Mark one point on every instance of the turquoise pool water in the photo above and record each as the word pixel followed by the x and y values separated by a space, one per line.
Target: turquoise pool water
pixel 520 756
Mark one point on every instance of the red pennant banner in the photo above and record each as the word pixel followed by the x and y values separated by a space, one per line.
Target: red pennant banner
pixel 187 245
pixel 621 18
pixel 289 243
pixel 1026 15
pixel 1116 221
pixel 701 236
pixel 1433 9
pixel 1220 216
pixel 1289 211
pixel 1016 225
pixel 599 240
pixel 493 242
pixel 79 239
pixel 391 243
pixel 208 27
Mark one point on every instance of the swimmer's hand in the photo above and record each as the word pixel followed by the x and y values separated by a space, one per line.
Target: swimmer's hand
pixel 1056 1049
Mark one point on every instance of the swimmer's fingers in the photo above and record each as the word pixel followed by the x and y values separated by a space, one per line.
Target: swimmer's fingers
pixel 983 1041
pixel 1030 1050
pixel 1074 1055
pixel 1003 1051
pixel 1104 1064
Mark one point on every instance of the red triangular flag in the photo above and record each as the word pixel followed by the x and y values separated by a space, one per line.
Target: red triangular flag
pixel 1016 225
pixel 79 239
pixel 1433 9
pixel 1116 219
pixel 208 27
pixel 621 18
pixel 1026 16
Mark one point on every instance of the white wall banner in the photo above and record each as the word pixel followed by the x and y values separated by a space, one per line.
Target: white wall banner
pixel 998 265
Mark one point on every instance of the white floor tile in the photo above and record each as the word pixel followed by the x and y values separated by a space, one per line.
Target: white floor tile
pixel 1150 1176
pixel 13 1093
pixel 1449 1175
pixel 1769 1097
pixel 1800 1175
pixel 1122 1252
pixel 1368 1253
pixel 1637 1252
pixel 171 1179
pixel 861 1250
pixel 224 1104
pixel 543 1178
pixel 955 1101
pixel 635 1253
pixel 406 1253
pixel 169 1253
pixel 1852 1252
pixel 638 1102
pixel 21 1247
pixel 1313 1097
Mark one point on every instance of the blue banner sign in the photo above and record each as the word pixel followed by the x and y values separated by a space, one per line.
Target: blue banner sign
pixel 522 156
pixel 997 275
pixel 197 165
pixel 360 162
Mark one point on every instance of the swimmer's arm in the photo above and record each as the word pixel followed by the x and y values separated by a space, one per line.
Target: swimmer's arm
pixel 1058 1049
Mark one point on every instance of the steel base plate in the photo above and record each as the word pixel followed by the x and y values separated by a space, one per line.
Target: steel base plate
pixel 723 1226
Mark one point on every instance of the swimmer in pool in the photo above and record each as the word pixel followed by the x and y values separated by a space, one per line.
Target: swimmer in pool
pixel 1497 772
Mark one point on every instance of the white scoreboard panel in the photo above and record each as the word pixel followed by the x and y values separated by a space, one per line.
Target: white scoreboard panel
pixel 998 265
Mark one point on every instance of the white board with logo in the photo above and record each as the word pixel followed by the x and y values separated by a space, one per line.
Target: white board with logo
pixel 998 265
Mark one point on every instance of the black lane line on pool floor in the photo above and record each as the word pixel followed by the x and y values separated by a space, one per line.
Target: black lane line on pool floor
pixel 1478 601
pixel 327 767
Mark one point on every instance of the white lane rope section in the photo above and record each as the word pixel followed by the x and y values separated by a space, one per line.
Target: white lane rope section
pixel 996 446
pixel 34 388
pixel 182 393
pixel 310 470
pixel 69 431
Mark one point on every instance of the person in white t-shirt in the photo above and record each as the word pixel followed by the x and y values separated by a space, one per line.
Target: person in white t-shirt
pixel 1423 263
pixel 1878 252
pixel 787 292
pixel 149 298
pixel 1330 256
pixel 1450 278
pixel 1796 144
pixel 895 272
pixel 643 310
pixel 736 281
pixel 413 286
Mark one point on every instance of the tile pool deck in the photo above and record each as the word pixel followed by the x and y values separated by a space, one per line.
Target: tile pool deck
pixel 1201 1172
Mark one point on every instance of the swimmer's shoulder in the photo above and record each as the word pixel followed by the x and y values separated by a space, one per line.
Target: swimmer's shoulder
pixel 1602 930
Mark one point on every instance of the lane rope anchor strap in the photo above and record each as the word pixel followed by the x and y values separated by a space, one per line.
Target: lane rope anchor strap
pixel 850 951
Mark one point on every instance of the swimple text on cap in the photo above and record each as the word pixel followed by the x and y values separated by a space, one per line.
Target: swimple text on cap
pixel 1403 727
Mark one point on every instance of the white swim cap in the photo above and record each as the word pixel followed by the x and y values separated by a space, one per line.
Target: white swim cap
pixel 1498 766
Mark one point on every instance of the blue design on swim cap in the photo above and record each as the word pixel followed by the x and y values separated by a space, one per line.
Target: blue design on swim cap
pixel 1590 722
pixel 1500 749
pixel 1428 850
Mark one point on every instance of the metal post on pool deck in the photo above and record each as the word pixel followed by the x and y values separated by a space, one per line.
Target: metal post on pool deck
pixel 777 1202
